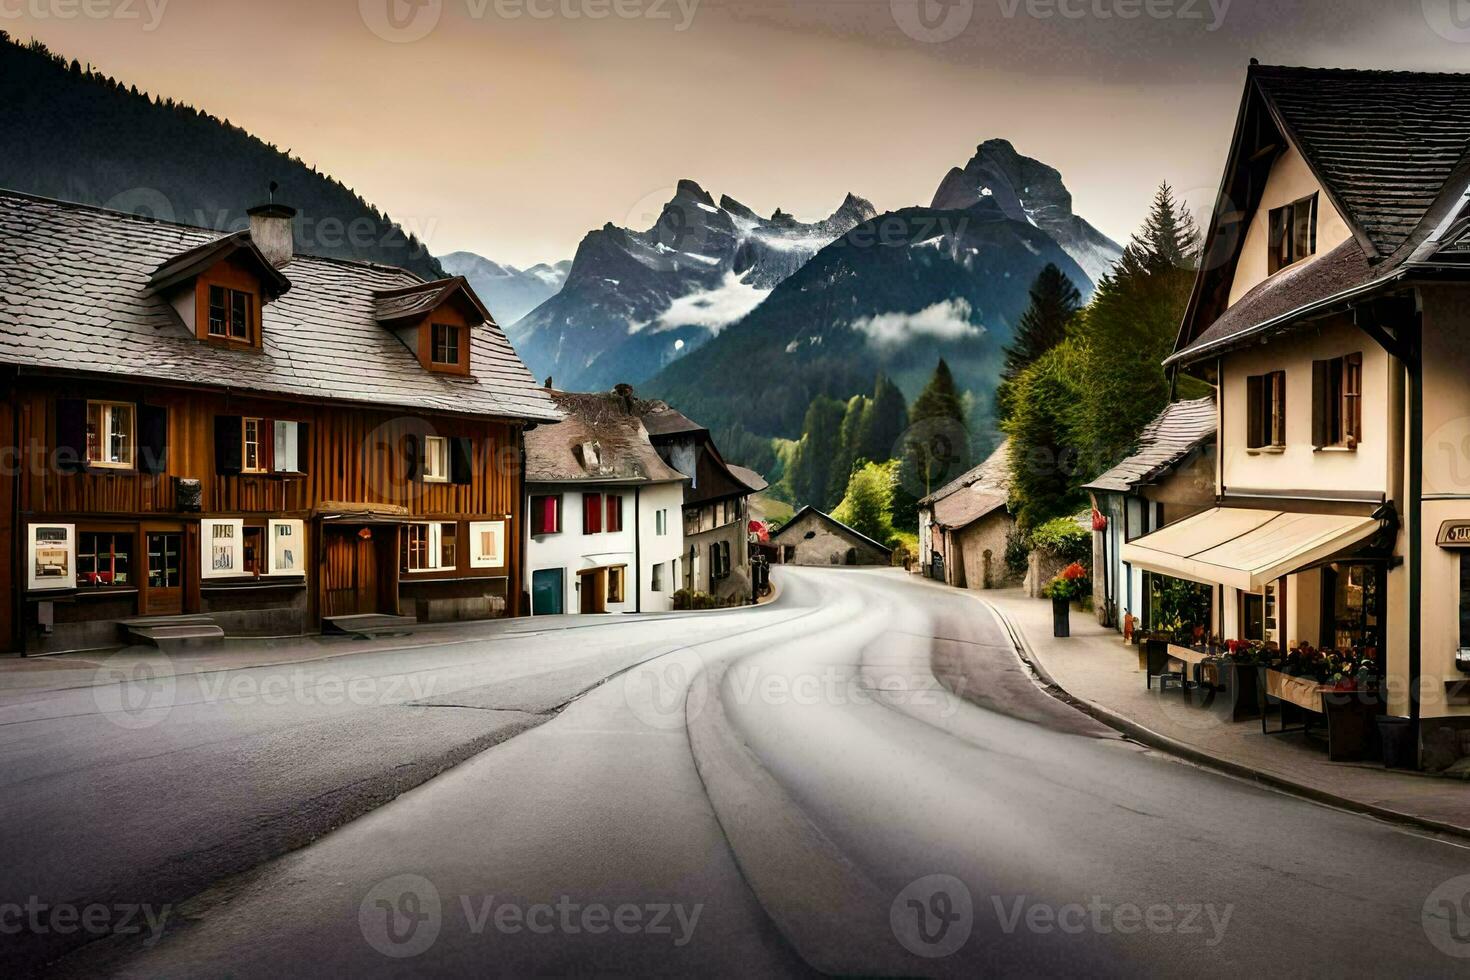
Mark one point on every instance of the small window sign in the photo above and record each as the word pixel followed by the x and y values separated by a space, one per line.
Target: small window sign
pixel 1454 534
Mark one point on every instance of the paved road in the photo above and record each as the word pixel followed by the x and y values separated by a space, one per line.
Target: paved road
pixel 797 792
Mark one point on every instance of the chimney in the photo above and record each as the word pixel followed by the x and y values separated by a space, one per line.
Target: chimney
pixel 624 393
pixel 270 228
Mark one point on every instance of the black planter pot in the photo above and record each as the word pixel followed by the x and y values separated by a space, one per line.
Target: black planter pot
pixel 1061 616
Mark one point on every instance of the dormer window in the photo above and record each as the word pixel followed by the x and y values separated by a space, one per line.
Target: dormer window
pixel 446 343
pixel 230 313
pixel 1293 232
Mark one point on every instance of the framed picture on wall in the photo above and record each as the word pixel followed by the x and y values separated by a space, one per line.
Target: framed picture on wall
pixel 287 555
pixel 52 557
pixel 487 544
pixel 222 543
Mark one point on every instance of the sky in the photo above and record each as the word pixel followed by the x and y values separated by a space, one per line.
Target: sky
pixel 513 127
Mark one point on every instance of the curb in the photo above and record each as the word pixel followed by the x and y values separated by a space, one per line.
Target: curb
pixel 1164 743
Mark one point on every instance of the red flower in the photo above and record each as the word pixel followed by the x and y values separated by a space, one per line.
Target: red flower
pixel 1074 571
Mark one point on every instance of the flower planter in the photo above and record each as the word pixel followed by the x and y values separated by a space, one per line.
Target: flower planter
pixel 1061 616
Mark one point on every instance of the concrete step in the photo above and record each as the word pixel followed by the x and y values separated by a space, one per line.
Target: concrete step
pixel 172 631
pixel 369 625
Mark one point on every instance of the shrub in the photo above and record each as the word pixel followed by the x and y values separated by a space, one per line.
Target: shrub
pixel 1064 538
pixel 1018 552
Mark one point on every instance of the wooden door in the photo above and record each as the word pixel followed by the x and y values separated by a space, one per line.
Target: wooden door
pixel 592 591
pixel 163 573
pixel 350 575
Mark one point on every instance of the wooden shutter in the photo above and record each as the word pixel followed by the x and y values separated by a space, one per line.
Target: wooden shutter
pixel 591 513
pixel 303 446
pixel 71 434
pixel 152 438
pixel 1321 410
pixel 1254 400
pixel 228 444
pixel 461 461
pixel 614 512
pixel 412 454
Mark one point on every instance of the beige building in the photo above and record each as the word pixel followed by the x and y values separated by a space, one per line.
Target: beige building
pixel 1332 314
pixel 814 538
pixel 964 526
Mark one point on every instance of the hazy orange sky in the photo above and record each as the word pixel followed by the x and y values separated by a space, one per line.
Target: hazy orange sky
pixel 512 127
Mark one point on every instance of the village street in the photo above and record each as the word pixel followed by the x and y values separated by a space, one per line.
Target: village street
pixel 786 788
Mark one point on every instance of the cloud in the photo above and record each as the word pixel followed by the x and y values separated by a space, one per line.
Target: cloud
pixel 713 308
pixel 946 320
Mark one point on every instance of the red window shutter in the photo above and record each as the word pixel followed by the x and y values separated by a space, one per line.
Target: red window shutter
pixel 614 512
pixel 549 522
pixel 591 513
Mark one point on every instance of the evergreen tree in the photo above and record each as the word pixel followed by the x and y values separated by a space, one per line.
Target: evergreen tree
pixel 1044 430
pixel 811 465
pixel 1054 303
pixel 867 503
pixel 848 448
pixel 885 418
pixel 936 447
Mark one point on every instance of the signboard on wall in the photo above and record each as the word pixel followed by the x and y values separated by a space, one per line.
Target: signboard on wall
pixel 52 557
pixel 1454 534
pixel 287 555
pixel 222 543
pixel 487 544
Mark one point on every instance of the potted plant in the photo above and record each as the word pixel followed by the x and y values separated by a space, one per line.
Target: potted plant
pixel 1070 585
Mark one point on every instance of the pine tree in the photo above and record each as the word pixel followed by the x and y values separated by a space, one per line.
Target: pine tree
pixel 885 418
pixel 811 467
pixel 937 443
pixel 1054 304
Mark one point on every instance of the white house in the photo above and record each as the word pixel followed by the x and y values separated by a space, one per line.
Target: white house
pixel 605 531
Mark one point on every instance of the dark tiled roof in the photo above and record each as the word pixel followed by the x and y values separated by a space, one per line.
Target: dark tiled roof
pixel 828 518
pixel 188 264
pixel 748 476
pixel 1384 142
pixel 599 439
pixel 992 476
pixel 75 296
pixel 663 420
pixel 1172 435
pixel 1293 289
pixel 409 302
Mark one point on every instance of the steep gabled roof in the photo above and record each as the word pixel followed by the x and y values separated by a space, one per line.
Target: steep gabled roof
pixel 828 518
pixel 192 261
pixel 749 477
pixel 992 476
pixel 1173 434
pixel 599 440
pixel 78 293
pixel 411 302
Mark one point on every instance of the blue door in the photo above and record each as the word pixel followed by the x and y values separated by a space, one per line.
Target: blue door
pixel 547 591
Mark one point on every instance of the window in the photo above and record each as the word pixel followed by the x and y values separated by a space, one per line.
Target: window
pixel 615 581
pixel 1464 601
pixel 614 513
pixel 691 521
pixel 1266 410
pixel 1293 232
pixel 230 313
pixel 252 459
pixel 656 580
pixel 163 560
pixel 591 513
pixel 286 455
pixel 1351 604
pixel 1337 402
pixel 254 551
pixel 110 434
pixel 436 459
pixel 445 346
pixel 103 558
pixel 546 514
pixel 719 560
pixel 661 522
pixel 430 547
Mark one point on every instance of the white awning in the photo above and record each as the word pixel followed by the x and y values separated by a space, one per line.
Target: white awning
pixel 1245 549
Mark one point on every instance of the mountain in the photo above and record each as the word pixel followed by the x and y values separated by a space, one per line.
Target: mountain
pixel 77 135
pixel 510 293
pixel 1027 190
pixel 635 301
pixel 891 296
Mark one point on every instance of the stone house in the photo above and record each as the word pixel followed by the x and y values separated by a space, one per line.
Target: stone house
pixel 814 538
pixel 964 526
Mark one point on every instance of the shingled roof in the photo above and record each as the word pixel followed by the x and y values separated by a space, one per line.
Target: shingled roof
pixel 1382 142
pixel 1174 433
pixel 993 475
pixel 75 295
pixel 600 439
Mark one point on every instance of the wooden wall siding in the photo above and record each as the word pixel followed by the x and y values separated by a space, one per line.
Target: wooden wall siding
pixel 354 455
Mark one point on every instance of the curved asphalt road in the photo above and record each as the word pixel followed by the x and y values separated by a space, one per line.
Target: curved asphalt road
pixel 800 793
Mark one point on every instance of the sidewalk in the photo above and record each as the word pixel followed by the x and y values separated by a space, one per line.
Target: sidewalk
pixel 1101 673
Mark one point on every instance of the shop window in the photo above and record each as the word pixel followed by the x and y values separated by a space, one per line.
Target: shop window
pixel 614 513
pixel 1352 606
pixel 430 547
pixel 546 514
pixel 1464 602
pixel 104 559
pixel 110 434
pixel 1260 614
pixel 1293 232
pixel 1265 410
pixel 616 577
pixel 254 545
pixel 1337 402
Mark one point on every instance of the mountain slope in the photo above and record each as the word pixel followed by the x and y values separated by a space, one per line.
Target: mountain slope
pixel 510 293
pixel 81 136
pixel 893 295
pixel 1027 190
pixel 637 300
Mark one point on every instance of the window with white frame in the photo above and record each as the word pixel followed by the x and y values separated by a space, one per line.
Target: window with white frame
pixel 430 547
pixel 436 459
pixel 110 434
pixel 487 544
pixel 286 443
pixel 661 522
pixel 252 458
